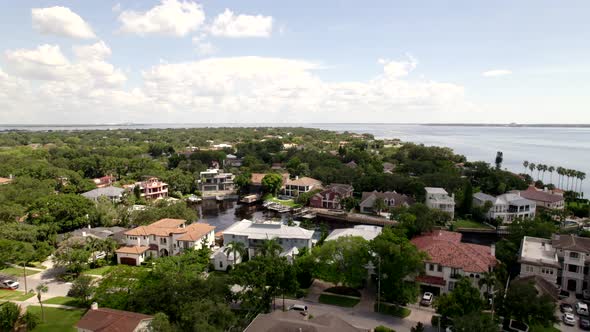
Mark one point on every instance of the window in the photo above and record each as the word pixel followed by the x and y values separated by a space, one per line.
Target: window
pixel 529 268
pixel 439 268
pixel 574 255
pixel 220 264
pixel 451 285
pixel 572 268
pixel 431 267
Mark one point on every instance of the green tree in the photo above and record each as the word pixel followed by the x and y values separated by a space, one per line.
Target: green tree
pixel 82 289
pixel 243 182
pixel 379 205
pixel 270 247
pixel 474 322
pixel 523 303
pixel 9 314
pixel 418 328
pixel 236 248
pixel 467 203
pixel 272 183
pixel 463 300
pixel 41 288
pixel 68 211
pixel 342 261
pixel 160 323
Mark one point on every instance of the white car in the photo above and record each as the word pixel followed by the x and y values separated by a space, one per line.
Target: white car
pixel 298 307
pixel 9 284
pixel 427 299
pixel 582 309
pixel 569 319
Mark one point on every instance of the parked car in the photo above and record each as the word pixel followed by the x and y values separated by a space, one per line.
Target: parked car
pixel 582 309
pixel 9 284
pixel 585 324
pixel 566 307
pixel 563 294
pixel 427 299
pixel 569 319
pixel 298 307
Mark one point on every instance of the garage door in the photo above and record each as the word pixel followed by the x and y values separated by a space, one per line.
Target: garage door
pixel 128 261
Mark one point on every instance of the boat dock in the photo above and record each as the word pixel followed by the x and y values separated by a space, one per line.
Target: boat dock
pixel 355 218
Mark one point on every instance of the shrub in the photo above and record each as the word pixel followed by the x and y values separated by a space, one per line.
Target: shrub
pixel 393 310
pixel 338 300
pixel 9 313
pixel 31 320
pixel 382 328
pixel 341 290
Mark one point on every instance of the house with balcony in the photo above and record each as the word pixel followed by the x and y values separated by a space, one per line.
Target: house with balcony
pixel 163 238
pixel 214 180
pixel 293 188
pixel 152 188
pixel 537 257
pixel 506 207
pixel 253 234
pixel 450 260
pixel 438 198
pixel 544 198
pixel 573 253
pixel 391 198
pixel 331 196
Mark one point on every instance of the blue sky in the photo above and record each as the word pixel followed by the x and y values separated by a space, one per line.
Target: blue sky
pixel 303 61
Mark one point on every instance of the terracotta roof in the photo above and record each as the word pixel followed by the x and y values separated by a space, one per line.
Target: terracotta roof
pixel 541 196
pixel 431 280
pixel 445 248
pixel 256 178
pixel 111 320
pixel 138 250
pixel 304 181
pixel 5 180
pixel 196 231
pixel 571 242
pixel 162 227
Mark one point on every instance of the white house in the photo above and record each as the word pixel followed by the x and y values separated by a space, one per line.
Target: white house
pixel 213 180
pixel 294 188
pixel 537 257
pixel 438 198
pixel 222 260
pixel 253 233
pixel 573 253
pixel 367 232
pixel 163 238
pixel 507 207
pixel 114 194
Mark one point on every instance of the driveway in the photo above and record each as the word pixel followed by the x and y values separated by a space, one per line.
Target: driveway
pixel 48 277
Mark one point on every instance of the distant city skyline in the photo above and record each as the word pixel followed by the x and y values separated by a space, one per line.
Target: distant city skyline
pixel 262 61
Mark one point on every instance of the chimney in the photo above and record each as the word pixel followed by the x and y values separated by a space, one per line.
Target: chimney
pixel 94 306
pixel 493 250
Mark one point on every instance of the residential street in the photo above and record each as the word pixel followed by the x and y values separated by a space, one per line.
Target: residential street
pixel 54 286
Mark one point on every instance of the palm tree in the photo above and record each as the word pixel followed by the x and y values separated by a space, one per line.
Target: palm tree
pixel 94 245
pixel 582 177
pixel 526 165
pixel 270 247
pixel 532 167
pixel 560 177
pixel 551 169
pixel 487 279
pixel 539 169
pixel 109 246
pixel 379 205
pixel 235 247
pixel 544 169
pixel 41 288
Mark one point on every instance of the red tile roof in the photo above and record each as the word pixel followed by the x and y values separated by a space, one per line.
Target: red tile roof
pixel 137 250
pixel 536 195
pixel 111 320
pixel 445 248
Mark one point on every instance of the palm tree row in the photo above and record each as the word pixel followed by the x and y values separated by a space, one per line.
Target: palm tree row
pixel 576 177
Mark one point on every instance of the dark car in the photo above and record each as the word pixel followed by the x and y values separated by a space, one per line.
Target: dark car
pixel 584 324
pixel 566 307
pixel 563 294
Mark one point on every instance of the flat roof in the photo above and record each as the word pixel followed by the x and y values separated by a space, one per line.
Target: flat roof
pixel 538 250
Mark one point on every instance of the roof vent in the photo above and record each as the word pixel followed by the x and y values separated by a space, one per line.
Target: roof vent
pixel 94 306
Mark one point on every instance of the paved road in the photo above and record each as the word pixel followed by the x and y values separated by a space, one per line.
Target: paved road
pixel 364 319
pixel 54 286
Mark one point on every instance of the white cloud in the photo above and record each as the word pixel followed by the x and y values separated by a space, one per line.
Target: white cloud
pixel 61 21
pixel 398 68
pixel 206 48
pixel 496 73
pixel 171 17
pixel 227 24
pixel 97 51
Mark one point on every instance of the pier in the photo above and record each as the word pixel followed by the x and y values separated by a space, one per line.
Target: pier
pixel 353 218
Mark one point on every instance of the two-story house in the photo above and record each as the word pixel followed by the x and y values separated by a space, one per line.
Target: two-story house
pixel 331 196
pixel 232 161
pixel 438 198
pixel 253 234
pixel 390 198
pixel 213 180
pixel 506 207
pixel 293 188
pixel 163 238
pixel 573 253
pixel 450 259
pixel 152 188
pixel 544 199
pixel 537 257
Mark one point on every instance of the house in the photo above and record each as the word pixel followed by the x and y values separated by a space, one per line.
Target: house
pixel 221 259
pixel 544 199
pixel 256 181
pixel 5 180
pixel 116 233
pixel 506 207
pixel 438 198
pixel 450 260
pixel 388 168
pixel 391 199
pixel 104 181
pixel 293 188
pixel 163 238
pixel 213 180
pixel 114 194
pixel 367 232
pixel 331 196
pixel 253 233
pixel 294 321
pixel 537 257
pixel 351 164
pixel 232 161
pixel 105 319
pixel 573 253
pixel 152 188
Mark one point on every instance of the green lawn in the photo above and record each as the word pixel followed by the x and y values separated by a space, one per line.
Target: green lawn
pixel 287 202
pixel 461 223
pixel 14 295
pixel 338 300
pixel 17 271
pixel 57 319
pixel 37 265
pixel 393 310
pixel 539 328
pixel 65 300
pixel 99 271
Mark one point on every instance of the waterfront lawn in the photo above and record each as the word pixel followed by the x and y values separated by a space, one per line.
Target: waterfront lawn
pixel 338 300
pixel 393 310
pixel 286 202
pixel 57 319
pixel 17 271
pixel 63 300
pixel 463 223
pixel 14 295
pixel 99 271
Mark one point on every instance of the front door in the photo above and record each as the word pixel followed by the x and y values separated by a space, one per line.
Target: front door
pixel 571 285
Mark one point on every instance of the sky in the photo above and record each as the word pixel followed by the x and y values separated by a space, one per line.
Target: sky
pixel 268 61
